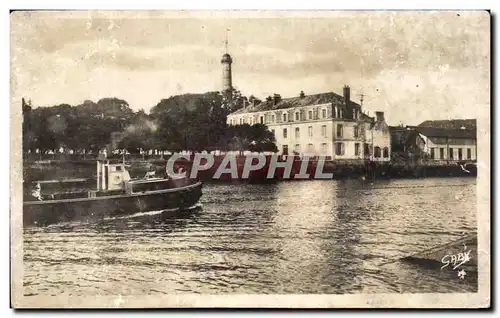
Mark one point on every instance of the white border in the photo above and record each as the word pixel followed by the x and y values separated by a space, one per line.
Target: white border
pixel 145 4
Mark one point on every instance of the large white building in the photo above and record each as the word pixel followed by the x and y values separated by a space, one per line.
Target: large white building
pixel 324 124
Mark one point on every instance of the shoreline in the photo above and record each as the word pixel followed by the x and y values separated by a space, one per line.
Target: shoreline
pixel 36 170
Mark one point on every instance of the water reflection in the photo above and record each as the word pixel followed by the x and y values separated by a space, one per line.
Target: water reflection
pixel 304 212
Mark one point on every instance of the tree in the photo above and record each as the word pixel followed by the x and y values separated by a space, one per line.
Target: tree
pixel 255 138
pixel 184 122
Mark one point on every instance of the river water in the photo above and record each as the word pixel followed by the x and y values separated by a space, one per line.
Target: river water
pixel 311 237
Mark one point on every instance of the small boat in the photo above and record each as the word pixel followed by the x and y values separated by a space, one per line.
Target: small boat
pixel 116 194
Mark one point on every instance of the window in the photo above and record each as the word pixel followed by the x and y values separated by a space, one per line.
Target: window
pixel 340 133
pixel 377 152
pixel 310 149
pixel 323 130
pixel 367 149
pixel 297 116
pixel 297 132
pixel 323 148
pixel 297 148
pixel 284 117
pixel 285 133
pixel 356 131
pixel 285 150
pixel 441 153
pixel 310 131
pixel 261 119
pixel 339 149
pixel 451 153
pixel 356 149
pixel 459 153
pixel 334 112
pixel 310 114
pixel 323 113
pixel 241 121
pixel 386 152
pixel 272 118
pixel 432 153
pixel 469 154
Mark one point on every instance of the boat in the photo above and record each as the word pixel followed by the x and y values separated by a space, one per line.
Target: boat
pixel 114 194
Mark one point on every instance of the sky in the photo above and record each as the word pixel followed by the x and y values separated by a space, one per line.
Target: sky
pixel 414 66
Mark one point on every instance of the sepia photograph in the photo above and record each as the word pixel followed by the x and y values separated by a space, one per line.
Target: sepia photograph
pixel 266 159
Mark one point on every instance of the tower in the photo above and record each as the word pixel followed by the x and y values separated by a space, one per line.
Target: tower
pixel 227 84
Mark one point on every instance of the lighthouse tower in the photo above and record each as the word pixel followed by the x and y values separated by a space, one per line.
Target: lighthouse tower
pixel 227 81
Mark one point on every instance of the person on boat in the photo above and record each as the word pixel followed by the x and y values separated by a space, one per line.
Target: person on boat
pixel 37 192
pixel 150 174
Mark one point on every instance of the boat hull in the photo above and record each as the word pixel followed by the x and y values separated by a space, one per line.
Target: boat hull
pixel 40 213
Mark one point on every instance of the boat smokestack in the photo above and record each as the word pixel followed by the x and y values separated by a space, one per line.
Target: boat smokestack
pixel 104 178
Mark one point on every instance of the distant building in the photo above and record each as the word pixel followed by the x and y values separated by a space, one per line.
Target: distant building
pixel 398 138
pixel 324 124
pixel 442 140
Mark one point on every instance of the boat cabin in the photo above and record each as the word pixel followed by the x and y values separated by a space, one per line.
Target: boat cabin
pixel 112 179
pixel 111 176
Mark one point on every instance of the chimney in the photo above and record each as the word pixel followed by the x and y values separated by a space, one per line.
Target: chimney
pixel 379 116
pixel 276 99
pixel 255 102
pixel 302 95
pixel 347 94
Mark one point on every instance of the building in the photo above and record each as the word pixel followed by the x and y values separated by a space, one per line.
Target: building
pixel 398 138
pixel 379 136
pixel 324 124
pixel 441 140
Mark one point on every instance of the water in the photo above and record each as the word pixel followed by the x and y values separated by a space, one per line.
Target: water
pixel 291 237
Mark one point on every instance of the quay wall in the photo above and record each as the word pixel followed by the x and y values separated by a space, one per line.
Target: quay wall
pixel 347 169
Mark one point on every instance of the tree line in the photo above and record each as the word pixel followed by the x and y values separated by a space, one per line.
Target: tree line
pixel 193 122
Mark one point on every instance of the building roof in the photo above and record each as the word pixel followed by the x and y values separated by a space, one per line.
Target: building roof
pixel 397 128
pixel 469 124
pixel 444 132
pixel 307 100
